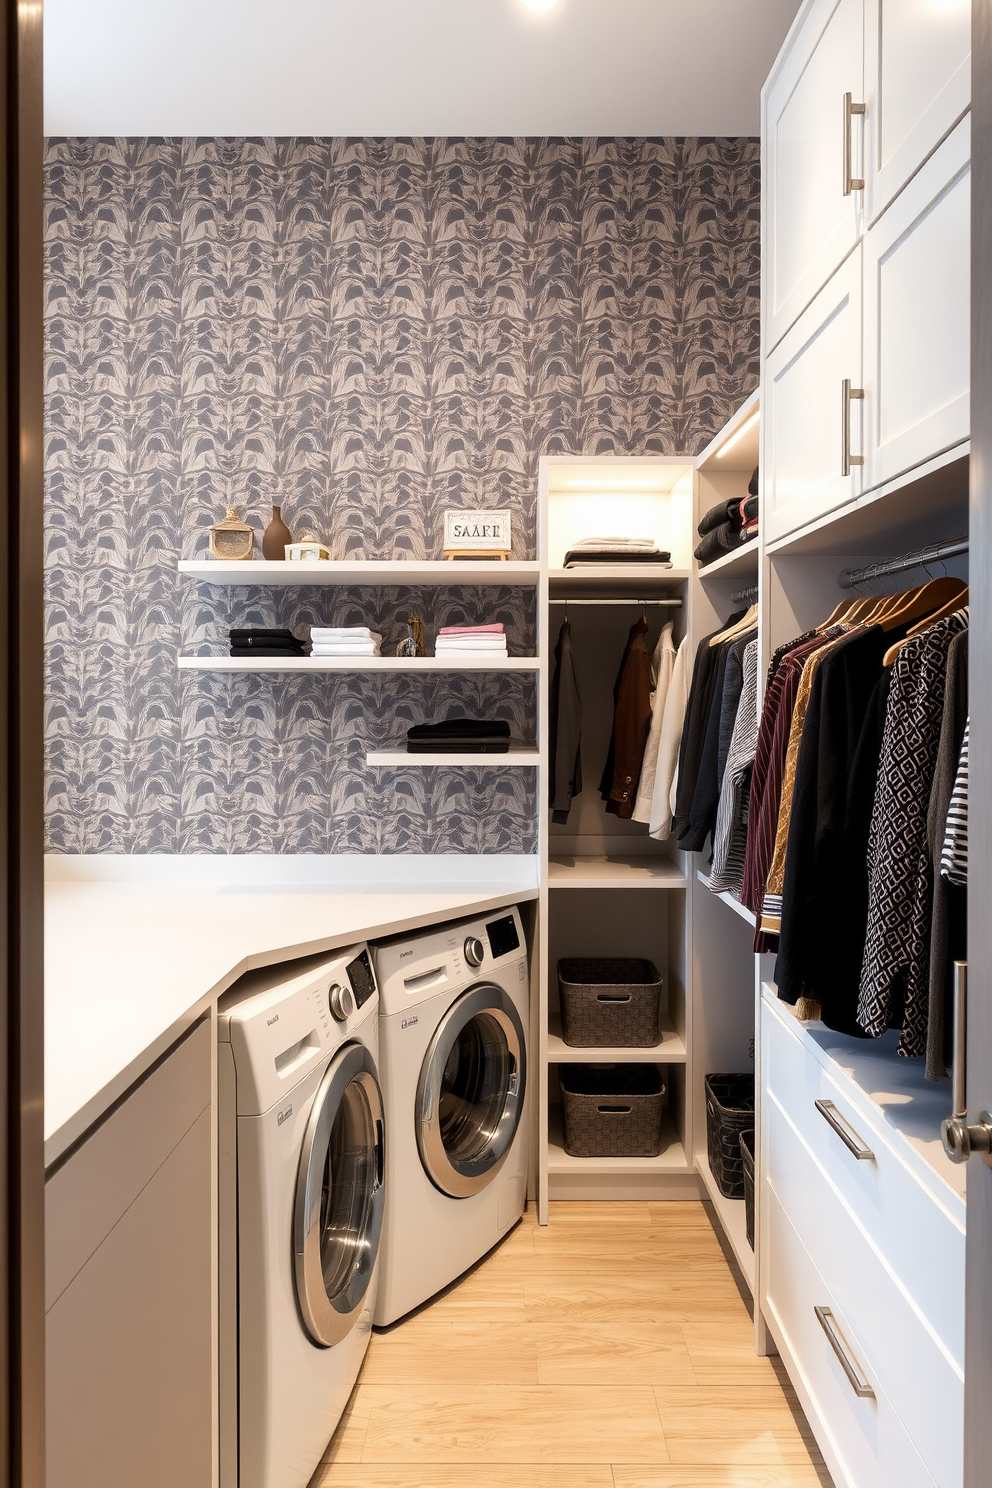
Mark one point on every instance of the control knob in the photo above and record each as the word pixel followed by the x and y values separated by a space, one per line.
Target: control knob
pixel 342 1002
pixel 475 951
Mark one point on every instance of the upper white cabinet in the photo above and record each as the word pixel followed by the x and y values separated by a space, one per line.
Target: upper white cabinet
pixel 918 316
pixel 917 86
pixel 811 426
pixel 813 215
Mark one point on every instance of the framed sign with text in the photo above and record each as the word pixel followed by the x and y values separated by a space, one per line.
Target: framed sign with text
pixel 477 534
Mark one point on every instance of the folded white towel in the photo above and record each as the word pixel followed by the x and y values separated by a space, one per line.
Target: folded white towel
pixel 442 650
pixel 642 544
pixel 368 648
pixel 343 632
pixel 496 642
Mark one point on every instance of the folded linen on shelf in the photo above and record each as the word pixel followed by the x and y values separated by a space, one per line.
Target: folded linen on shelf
pixel 360 646
pixel 471 643
pixel 259 633
pixel 262 652
pixel 262 642
pixel 342 632
pixel 720 540
pixel 471 630
pixel 616 544
pixel 578 557
pixel 458 735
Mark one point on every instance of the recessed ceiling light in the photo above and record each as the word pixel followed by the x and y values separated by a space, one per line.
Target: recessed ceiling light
pixel 540 4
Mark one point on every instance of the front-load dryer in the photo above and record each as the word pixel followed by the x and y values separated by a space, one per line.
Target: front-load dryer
pixel 302 1157
pixel 453 1020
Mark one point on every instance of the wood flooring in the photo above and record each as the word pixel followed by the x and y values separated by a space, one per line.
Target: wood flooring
pixel 611 1349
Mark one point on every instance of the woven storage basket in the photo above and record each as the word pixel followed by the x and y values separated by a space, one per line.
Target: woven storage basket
pixel 747 1158
pixel 611 1110
pixel 729 1111
pixel 609 1003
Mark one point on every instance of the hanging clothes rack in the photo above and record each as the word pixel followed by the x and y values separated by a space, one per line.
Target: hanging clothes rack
pixel 745 596
pixel 674 604
pixel 850 578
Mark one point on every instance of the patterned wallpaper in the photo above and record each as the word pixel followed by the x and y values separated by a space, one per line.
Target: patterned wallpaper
pixel 368 331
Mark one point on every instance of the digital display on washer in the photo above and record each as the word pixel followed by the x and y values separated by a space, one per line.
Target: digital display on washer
pixel 361 978
pixel 503 937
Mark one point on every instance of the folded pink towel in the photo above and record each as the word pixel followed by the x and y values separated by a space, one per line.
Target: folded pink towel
pixel 470 630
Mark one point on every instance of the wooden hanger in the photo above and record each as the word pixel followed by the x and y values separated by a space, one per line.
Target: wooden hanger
pixel 747 622
pixel 920 603
pixel 843 611
pixel 955 599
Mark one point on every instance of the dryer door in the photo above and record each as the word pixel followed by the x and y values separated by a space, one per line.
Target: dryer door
pixel 471 1091
pixel 339 1196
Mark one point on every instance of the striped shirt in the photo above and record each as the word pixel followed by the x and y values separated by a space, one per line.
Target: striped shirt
pixel 954 857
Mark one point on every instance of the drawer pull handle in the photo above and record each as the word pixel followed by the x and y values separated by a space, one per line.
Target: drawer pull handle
pixel 845 1131
pixel 855 1374
pixel 847 460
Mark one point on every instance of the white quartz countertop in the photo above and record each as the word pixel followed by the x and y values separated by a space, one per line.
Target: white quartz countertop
pixel 133 960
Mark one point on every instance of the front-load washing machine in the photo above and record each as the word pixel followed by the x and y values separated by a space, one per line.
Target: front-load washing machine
pixel 453 1020
pixel 302 1157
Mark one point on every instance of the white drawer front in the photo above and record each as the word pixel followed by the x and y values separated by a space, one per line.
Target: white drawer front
pixel 869 1441
pixel 923 1244
pixel 924 1386
pixel 802 405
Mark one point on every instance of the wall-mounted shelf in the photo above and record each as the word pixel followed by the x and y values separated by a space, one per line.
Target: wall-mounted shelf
pixel 528 758
pixel 636 579
pixel 733 1220
pixel 612 872
pixel 740 564
pixel 671 1050
pixel 282 574
pixel 728 899
pixel 357 664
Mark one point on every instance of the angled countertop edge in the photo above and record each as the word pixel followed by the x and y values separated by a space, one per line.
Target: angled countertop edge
pixel 147 895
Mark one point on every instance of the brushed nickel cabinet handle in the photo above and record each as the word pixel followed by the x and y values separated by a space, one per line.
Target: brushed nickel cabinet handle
pixel 851 183
pixel 848 394
pixel 844 1130
pixel 855 1374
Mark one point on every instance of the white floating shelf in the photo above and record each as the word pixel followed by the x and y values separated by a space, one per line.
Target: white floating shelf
pixel 639 580
pixel 263 571
pixel 741 563
pixel 671 1158
pixel 614 873
pixel 733 1220
pixel 357 664
pixel 671 1050
pixel 400 756
pixel 729 900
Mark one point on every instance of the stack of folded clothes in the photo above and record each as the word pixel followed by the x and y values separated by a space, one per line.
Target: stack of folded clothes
pixel 459 736
pixel 259 642
pixel 616 550
pixel 344 640
pixel 470 640
pixel 728 525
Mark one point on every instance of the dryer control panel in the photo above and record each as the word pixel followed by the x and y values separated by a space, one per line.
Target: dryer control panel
pixel 281 1021
pixel 413 968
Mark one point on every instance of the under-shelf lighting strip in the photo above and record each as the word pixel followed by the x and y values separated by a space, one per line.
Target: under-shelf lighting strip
pixel 737 435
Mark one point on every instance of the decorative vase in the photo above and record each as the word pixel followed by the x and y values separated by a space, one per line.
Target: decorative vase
pixel 232 540
pixel 275 537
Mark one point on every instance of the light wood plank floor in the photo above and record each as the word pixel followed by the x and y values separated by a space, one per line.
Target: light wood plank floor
pixel 610 1350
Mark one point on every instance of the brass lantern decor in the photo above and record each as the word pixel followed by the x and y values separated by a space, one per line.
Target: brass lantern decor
pixel 232 540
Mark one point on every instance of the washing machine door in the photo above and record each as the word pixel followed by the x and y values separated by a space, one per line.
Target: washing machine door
pixel 471 1091
pixel 339 1196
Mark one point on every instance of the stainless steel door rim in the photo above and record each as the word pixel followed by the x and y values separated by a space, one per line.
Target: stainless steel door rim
pixel 339 1196
pixel 471 1091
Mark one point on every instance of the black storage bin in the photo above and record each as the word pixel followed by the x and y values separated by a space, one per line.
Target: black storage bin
pixel 729 1111
pixel 611 1110
pixel 747 1158
pixel 609 1002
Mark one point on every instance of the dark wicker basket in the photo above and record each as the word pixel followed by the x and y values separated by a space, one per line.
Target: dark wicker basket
pixel 747 1158
pixel 729 1111
pixel 609 1002
pixel 611 1110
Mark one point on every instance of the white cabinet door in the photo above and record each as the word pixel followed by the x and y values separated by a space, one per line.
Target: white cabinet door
pixel 918 84
pixel 803 404
pixel 918 316
pixel 811 224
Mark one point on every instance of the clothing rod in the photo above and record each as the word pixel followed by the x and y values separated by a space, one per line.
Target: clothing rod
pixel 919 558
pixel 745 596
pixel 673 604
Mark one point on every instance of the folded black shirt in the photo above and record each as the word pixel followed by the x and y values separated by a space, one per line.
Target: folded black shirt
pixel 258 633
pixel 459 729
pixel 577 556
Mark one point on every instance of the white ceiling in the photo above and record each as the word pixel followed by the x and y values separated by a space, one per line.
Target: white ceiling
pixel 408 67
